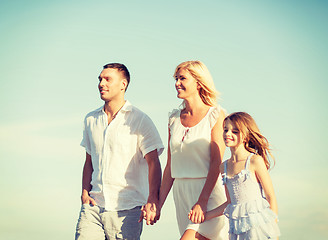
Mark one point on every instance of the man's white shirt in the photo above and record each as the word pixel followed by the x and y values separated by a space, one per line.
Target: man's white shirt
pixel 120 171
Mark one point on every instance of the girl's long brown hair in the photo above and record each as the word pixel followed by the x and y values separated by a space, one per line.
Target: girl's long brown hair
pixel 255 142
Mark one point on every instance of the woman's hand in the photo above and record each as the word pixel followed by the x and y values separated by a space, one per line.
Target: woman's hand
pixel 197 212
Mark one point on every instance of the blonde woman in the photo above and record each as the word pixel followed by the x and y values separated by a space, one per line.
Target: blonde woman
pixel 195 150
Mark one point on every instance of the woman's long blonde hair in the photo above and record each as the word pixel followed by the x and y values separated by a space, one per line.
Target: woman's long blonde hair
pixel 201 74
pixel 255 142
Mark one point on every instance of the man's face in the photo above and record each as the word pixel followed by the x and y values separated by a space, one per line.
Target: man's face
pixel 111 84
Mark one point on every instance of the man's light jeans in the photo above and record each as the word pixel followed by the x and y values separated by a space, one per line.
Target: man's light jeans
pixel 95 223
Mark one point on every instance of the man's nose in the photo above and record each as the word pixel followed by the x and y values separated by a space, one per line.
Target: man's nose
pixel 101 82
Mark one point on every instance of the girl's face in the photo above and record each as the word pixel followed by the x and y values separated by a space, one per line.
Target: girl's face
pixel 185 84
pixel 231 135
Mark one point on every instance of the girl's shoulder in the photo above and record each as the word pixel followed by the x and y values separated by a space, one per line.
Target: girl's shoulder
pixel 257 162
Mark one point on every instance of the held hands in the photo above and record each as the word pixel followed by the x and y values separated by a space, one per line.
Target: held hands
pixel 197 213
pixel 150 212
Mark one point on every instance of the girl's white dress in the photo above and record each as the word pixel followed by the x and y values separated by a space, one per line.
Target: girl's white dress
pixel 190 161
pixel 249 213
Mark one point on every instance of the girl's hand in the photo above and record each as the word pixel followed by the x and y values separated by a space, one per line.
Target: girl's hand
pixel 197 213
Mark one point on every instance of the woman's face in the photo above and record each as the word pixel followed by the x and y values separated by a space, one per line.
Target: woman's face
pixel 185 84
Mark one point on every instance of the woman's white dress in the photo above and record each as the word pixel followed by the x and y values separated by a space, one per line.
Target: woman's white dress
pixel 190 162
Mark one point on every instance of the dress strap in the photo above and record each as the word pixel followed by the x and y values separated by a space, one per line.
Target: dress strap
pixel 224 175
pixel 248 160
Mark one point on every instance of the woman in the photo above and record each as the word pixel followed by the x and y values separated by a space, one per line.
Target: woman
pixel 195 150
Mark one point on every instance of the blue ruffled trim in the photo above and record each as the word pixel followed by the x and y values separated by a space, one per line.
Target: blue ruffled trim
pixel 264 231
pixel 224 178
pixel 243 174
pixel 243 217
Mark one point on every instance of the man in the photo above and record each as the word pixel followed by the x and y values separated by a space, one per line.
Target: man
pixel 122 172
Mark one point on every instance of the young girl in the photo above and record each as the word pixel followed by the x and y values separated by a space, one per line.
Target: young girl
pixel 251 216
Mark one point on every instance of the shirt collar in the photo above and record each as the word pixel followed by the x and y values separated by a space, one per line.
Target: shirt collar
pixel 127 107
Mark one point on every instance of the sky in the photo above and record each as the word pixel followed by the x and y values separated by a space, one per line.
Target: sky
pixel 268 58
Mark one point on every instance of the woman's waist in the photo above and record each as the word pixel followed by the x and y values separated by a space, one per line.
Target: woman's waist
pixel 185 179
pixel 189 169
pixel 199 180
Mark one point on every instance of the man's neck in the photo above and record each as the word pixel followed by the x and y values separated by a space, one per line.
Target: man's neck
pixel 111 108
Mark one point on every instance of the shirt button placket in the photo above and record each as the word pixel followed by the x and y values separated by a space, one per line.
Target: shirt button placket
pixel 104 161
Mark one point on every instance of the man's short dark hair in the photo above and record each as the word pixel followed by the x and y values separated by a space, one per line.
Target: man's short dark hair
pixel 121 68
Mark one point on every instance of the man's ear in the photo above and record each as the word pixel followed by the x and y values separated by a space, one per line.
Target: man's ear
pixel 124 84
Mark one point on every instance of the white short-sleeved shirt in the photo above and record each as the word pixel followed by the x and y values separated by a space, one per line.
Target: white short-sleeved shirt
pixel 120 172
pixel 190 146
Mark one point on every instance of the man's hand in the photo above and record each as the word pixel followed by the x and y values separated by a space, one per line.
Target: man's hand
pixel 150 213
pixel 86 199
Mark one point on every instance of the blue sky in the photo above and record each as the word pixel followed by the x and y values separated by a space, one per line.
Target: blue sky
pixel 266 58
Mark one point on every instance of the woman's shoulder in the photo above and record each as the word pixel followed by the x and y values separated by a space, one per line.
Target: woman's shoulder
pixel 218 109
pixel 215 113
pixel 174 114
